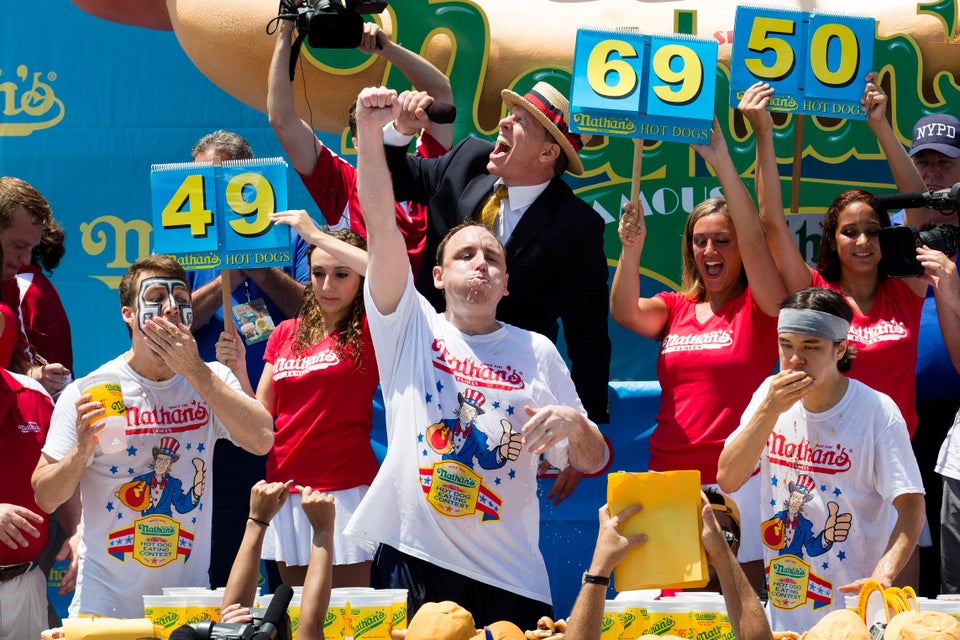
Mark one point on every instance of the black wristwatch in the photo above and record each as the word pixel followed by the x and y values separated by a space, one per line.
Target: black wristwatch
pixel 592 579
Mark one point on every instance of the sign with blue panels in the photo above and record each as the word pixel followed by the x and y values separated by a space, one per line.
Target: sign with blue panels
pixel 642 86
pixel 815 62
pixel 210 216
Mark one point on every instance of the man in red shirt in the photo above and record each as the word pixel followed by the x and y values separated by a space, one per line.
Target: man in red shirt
pixel 25 410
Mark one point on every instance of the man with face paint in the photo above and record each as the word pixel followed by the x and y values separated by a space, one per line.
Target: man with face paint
pixel 145 519
pixel 834 447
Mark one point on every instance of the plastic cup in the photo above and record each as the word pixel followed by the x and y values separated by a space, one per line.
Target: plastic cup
pixel 166 613
pixel 669 616
pixel 398 607
pixel 369 616
pixel 611 627
pixel 106 390
pixel 336 612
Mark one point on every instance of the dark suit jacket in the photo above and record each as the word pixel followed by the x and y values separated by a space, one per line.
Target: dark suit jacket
pixel 555 257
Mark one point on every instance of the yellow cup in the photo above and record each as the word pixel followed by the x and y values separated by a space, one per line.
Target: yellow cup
pixel 165 612
pixel 106 390
pixel 335 621
pixel 370 616
pixel 611 627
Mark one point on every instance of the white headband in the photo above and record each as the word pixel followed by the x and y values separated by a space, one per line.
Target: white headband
pixel 813 323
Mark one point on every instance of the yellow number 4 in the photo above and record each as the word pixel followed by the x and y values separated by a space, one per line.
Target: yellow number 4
pixel 186 208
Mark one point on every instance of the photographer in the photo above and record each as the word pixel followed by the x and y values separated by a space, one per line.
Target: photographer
pixel 331 180
pixel 935 154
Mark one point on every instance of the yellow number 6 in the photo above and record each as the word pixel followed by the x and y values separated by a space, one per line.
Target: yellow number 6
pixel 600 66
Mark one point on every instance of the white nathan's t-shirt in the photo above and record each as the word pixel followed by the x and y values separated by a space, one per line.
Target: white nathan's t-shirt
pixel 443 494
pixel 853 458
pixel 141 531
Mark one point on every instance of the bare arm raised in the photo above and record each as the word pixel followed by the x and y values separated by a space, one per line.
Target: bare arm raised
pixel 766 285
pixel 388 266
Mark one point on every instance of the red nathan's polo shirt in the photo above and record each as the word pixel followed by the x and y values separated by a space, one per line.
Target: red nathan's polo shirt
pixel 24 419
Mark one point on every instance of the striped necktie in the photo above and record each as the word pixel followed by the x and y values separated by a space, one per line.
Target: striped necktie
pixel 490 211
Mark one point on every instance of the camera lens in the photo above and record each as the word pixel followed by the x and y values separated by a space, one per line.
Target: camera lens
pixel 945 238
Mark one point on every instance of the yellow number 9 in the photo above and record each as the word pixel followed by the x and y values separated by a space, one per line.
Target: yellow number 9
pixel 600 65
pixel 849 55
pixel 262 206
pixel 689 77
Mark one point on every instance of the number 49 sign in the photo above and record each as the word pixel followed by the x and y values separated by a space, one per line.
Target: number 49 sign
pixel 218 217
pixel 815 62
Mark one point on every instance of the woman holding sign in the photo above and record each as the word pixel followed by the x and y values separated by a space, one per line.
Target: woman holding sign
pixel 318 381
pixel 718 333
pixel 887 310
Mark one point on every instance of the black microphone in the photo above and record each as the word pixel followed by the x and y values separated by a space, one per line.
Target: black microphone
pixel 901 201
pixel 441 112
pixel 275 617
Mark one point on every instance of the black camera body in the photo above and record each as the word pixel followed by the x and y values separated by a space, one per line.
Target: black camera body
pixel 334 24
pixel 898 245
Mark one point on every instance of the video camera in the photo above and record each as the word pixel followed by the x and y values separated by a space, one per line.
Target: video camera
pixel 274 625
pixel 898 245
pixel 326 24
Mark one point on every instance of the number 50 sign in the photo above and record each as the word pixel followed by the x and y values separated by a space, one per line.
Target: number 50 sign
pixel 815 62
pixel 641 86
pixel 210 216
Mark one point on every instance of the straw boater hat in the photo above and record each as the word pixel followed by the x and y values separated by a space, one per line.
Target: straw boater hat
pixel 552 110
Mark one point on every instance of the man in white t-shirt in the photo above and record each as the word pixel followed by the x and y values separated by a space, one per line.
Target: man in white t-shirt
pixel 833 455
pixel 471 404
pixel 146 515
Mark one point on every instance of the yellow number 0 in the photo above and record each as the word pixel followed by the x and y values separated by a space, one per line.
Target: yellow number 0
pixel 689 77
pixel 185 208
pixel 849 55
pixel 599 66
pixel 761 41
pixel 262 205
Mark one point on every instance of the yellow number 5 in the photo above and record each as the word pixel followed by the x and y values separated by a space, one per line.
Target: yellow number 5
pixel 760 41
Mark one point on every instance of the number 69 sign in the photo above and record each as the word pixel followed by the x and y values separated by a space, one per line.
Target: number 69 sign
pixel 815 62
pixel 640 86
pixel 210 216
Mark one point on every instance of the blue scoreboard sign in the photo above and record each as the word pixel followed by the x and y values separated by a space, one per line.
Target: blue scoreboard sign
pixel 815 62
pixel 210 216
pixel 642 86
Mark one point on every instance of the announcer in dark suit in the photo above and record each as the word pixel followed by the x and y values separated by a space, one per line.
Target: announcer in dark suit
pixel 553 239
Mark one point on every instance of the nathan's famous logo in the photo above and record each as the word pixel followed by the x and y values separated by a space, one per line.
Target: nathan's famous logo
pixel 29 103
pixel 697 342
pixel 286 367
pixel 589 123
pixel 661 626
pixel 104 231
pixel 469 371
pixel 804 457
pixel 369 623
pixel 176 419
pixel 884 331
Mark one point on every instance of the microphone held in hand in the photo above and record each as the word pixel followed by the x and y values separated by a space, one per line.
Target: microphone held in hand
pixel 900 201
pixel 275 620
pixel 441 112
